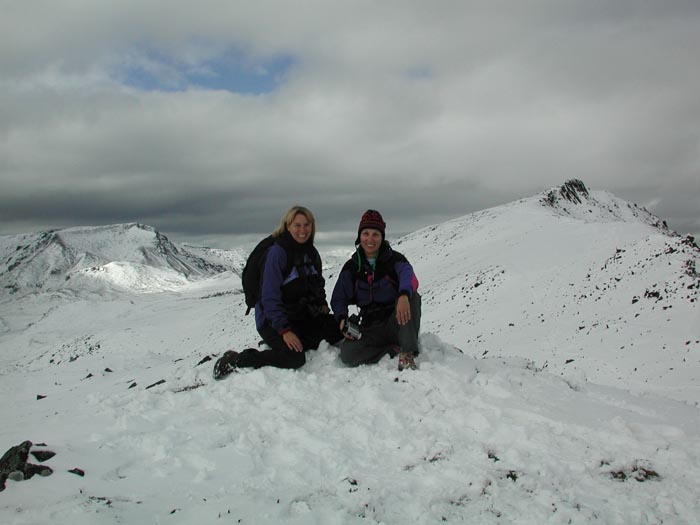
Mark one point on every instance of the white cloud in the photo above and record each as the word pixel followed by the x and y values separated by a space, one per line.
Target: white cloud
pixel 429 111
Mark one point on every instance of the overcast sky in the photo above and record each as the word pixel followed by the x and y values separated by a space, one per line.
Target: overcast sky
pixel 209 119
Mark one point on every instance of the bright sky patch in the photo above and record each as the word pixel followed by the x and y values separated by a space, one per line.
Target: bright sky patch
pixel 232 71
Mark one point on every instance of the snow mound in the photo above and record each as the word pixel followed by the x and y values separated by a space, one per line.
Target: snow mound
pixel 461 440
pixel 131 277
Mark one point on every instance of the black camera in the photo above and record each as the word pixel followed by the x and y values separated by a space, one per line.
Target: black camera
pixel 352 326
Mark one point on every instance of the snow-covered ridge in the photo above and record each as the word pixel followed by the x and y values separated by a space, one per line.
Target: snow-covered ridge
pixel 576 281
pixel 49 260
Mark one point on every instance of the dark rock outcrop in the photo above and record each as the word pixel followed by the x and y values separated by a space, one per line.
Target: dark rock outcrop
pixel 573 190
pixel 14 465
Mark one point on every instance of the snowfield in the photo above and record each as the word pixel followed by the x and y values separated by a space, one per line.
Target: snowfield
pixel 555 386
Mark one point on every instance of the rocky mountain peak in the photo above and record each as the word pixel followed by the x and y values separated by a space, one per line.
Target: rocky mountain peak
pixel 573 199
pixel 573 190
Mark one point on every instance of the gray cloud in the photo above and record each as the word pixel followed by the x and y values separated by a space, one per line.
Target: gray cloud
pixel 425 112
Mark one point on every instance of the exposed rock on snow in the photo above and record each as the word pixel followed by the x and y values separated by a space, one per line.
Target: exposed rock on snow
pixel 14 465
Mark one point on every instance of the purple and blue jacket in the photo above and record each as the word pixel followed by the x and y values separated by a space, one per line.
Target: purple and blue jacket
pixel 373 289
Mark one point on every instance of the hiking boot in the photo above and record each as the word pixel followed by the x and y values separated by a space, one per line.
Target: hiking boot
pixel 226 364
pixel 406 361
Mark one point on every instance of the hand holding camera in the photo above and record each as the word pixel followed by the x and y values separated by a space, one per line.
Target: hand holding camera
pixel 351 328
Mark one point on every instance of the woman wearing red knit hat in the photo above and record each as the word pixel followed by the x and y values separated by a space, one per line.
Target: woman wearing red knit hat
pixel 381 282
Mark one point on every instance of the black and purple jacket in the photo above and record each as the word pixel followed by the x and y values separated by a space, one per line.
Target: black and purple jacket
pixel 292 284
pixel 373 290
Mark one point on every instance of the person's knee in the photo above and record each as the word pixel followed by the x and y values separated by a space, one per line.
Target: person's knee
pixel 349 357
pixel 416 305
pixel 298 360
pixel 289 359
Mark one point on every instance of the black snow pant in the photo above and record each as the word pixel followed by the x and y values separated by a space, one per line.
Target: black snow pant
pixel 385 337
pixel 310 332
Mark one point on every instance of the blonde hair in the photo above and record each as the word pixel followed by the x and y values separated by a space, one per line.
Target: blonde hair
pixel 288 219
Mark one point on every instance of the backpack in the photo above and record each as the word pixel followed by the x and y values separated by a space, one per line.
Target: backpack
pixel 251 278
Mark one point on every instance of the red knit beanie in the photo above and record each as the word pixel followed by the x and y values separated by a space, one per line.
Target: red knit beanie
pixel 372 219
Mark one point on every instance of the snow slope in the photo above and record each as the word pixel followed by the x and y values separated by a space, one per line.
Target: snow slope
pixel 497 431
pixel 587 285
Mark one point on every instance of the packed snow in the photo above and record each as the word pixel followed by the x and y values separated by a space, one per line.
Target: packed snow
pixel 554 386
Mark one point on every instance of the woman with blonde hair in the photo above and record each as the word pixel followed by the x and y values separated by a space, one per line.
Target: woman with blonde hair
pixel 291 315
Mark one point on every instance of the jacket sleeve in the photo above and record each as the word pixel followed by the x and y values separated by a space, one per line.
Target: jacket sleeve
pixel 271 296
pixel 408 282
pixel 343 294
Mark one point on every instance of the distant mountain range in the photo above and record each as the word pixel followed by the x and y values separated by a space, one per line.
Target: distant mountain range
pixel 50 260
